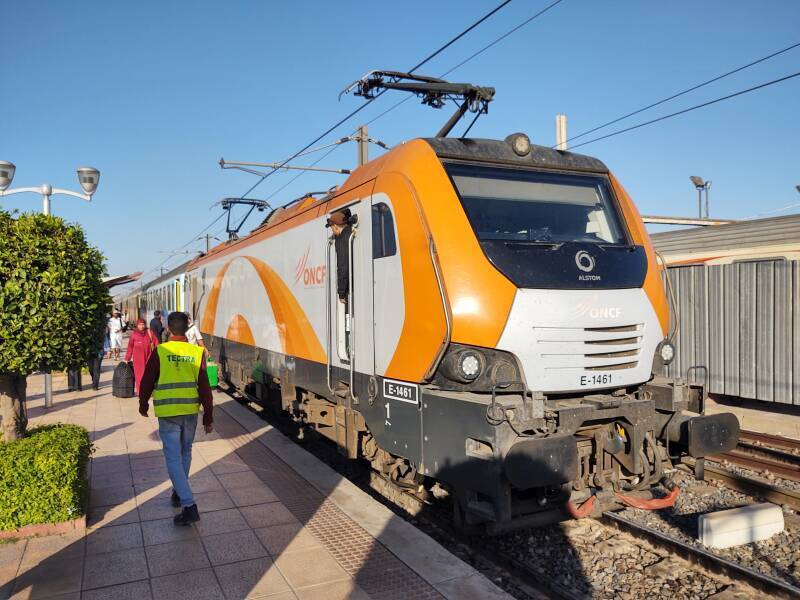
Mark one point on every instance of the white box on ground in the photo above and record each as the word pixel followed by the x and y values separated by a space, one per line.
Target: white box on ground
pixel 743 525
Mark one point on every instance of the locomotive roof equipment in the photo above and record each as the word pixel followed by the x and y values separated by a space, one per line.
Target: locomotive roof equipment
pixel 434 93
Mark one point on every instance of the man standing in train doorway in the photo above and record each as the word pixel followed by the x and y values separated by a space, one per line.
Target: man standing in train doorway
pixel 176 377
pixel 339 222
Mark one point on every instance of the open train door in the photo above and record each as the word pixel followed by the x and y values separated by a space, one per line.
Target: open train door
pixel 349 310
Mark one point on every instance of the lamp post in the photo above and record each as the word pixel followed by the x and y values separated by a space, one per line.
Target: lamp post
pixel 701 185
pixel 88 178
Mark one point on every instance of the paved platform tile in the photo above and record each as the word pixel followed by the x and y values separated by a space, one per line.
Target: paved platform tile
pixel 340 590
pixel 112 568
pixel 136 590
pixel 204 483
pixel 233 547
pixel 242 479
pixel 193 585
pixel 53 575
pixel 286 538
pixel 248 496
pixel 306 568
pixel 210 501
pixel 227 465
pixel 107 516
pixel 176 557
pixel 110 539
pixel 150 476
pixel 41 548
pixel 164 531
pixel 266 515
pixel 251 579
pixel 221 521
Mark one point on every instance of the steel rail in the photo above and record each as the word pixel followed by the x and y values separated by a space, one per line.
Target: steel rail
pixel 756 463
pixel 764 453
pixel 769 452
pixel 772 441
pixel 708 560
pixel 754 486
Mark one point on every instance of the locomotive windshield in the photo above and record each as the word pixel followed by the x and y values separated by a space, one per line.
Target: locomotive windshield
pixel 535 226
pixel 517 205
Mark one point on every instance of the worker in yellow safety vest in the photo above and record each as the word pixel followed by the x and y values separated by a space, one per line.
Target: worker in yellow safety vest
pixel 175 376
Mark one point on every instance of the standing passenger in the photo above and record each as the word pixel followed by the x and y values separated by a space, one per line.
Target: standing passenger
pixel 177 373
pixel 141 345
pixel 115 333
pixel 156 326
pixel 95 364
pixel 193 336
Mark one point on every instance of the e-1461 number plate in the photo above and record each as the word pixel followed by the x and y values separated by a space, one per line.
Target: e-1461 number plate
pixel 400 390
pixel 599 379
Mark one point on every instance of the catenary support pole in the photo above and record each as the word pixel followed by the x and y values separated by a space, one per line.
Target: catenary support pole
pixel 363 145
pixel 561 132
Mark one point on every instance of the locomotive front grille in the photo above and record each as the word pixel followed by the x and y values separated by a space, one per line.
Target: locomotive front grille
pixel 589 348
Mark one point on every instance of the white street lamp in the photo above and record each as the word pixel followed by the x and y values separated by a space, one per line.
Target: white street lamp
pixel 701 185
pixel 6 174
pixel 88 178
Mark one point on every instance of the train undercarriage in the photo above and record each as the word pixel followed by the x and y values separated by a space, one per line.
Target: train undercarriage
pixel 518 460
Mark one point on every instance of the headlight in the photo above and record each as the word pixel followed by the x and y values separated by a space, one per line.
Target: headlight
pixel 469 365
pixel 664 354
pixel 667 352
pixel 468 368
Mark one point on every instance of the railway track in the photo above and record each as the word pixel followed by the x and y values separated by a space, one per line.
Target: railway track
pixel 775 588
pixel 766 454
pixel 534 581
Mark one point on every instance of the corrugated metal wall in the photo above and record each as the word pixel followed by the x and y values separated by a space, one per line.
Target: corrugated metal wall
pixel 741 322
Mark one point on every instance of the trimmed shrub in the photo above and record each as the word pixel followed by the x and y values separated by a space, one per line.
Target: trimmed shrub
pixel 42 476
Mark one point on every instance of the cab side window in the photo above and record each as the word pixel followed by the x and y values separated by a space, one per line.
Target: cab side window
pixel 383 239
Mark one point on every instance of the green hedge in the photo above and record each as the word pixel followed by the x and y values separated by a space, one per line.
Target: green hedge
pixel 42 476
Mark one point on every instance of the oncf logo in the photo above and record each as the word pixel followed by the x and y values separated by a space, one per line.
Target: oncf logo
pixel 311 276
pixel 584 261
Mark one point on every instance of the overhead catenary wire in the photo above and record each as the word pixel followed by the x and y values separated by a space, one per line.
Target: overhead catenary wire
pixel 369 101
pixel 772 212
pixel 690 109
pixel 686 91
pixel 474 55
pixel 194 239
pixel 347 118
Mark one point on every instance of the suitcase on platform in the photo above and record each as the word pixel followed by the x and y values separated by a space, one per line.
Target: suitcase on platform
pixel 123 382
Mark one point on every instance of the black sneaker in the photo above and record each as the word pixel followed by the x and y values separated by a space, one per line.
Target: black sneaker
pixel 175 499
pixel 188 515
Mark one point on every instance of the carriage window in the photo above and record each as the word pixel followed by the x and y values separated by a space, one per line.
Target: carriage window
pixel 383 239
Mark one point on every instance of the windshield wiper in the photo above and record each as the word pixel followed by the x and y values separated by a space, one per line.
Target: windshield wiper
pixel 538 244
pixel 628 247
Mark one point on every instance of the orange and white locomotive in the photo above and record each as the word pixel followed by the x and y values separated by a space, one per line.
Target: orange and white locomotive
pixel 502 330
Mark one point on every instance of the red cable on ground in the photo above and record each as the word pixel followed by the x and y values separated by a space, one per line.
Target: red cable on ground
pixel 584 510
pixel 653 504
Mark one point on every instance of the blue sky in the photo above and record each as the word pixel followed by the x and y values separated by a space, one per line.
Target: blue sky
pixel 154 93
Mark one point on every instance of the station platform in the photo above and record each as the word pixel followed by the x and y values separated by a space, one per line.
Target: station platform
pixel 762 417
pixel 275 523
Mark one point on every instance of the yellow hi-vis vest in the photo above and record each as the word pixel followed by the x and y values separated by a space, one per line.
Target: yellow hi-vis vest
pixel 176 391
